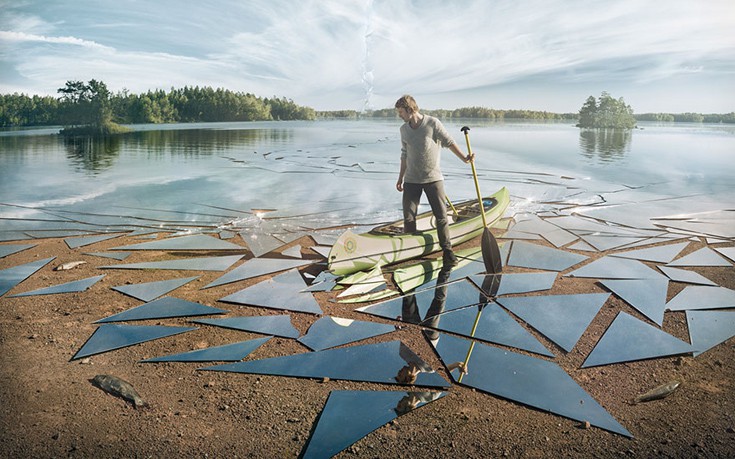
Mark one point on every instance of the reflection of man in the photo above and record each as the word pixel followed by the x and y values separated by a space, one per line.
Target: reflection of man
pixel 413 399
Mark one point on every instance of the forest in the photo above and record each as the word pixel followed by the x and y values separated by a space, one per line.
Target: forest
pixel 81 103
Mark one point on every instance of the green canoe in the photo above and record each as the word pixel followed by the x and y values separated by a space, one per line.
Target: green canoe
pixel 387 244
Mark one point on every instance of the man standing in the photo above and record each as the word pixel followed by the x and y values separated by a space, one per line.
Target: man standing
pixel 422 138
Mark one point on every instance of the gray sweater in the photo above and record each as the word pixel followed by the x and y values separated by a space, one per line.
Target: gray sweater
pixel 421 147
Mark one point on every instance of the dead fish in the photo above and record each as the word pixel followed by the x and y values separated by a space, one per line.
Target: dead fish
pixel 659 392
pixel 120 388
pixel 69 265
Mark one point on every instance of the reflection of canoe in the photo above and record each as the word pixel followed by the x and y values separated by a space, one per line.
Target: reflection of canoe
pixel 387 244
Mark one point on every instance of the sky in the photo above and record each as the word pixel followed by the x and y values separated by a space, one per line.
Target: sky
pixel 670 56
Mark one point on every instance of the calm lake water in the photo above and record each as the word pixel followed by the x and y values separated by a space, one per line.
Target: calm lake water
pixel 324 173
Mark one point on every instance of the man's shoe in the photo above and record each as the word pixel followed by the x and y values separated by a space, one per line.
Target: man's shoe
pixel 449 258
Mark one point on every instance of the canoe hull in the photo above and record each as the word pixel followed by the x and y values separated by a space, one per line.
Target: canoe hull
pixel 357 252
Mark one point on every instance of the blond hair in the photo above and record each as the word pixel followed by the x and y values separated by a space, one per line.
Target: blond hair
pixel 407 102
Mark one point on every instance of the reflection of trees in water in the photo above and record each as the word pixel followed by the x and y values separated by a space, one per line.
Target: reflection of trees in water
pixel 92 154
pixel 195 142
pixel 608 145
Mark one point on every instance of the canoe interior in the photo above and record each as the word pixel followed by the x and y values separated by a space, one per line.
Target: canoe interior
pixel 426 221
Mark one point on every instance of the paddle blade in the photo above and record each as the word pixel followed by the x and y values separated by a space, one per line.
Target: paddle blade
pixel 491 253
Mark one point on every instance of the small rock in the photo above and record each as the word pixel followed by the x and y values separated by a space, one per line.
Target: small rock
pixel 586 425
pixel 324 379
pixel 85 361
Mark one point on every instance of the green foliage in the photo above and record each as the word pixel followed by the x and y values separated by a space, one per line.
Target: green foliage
pixel 606 112
pixel 92 106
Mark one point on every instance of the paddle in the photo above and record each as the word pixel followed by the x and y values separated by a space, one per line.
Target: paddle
pixel 490 249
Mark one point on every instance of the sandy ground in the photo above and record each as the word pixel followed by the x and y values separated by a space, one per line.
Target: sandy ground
pixel 50 408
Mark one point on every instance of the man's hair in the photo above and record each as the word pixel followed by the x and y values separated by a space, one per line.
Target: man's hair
pixel 407 102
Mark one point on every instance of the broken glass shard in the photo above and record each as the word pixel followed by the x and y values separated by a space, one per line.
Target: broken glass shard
pixel 528 255
pixel 188 264
pixel 604 242
pixel 702 257
pixel 528 380
pixel 10 277
pixel 582 247
pixel 151 290
pixel 265 325
pixel 68 287
pixel 384 363
pixel 490 323
pixel 193 242
pixel 609 267
pixel 686 276
pixel 646 295
pixel 260 243
pixel 120 256
pixel 349 416
pixel 162 308
pixel 561 318
pixel 9 249
pixel 284 291
pixel 702 297
pixel 662 254
pixel 329 332
pixel 707 329
pixel 75 242
pixel 517 282
pixel 416 307
pixel 629 339
pixel 256 267
pixel 293 252
pixel 729 252
pixel 109 337
pixel 227 353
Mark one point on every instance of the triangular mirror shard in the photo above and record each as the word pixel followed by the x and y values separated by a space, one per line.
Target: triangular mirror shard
pixel 68 287
pixel 349 416
pixel 186 264
pixel 609 267
pixel 10 277
pixel 256 267
pixel 149 291
pixel 516 282
pixel 494 325
pixel 265 325
pixel 528 255
pixel 384 363
pixel 702 297
pixel 119 256
pixel 227 353
pixel 629 339
pixel 608 242
pixel 702 257
pixel 10 249
pixel 707 329
pixel 284 292
pixel 75 242
pixel 661 254
pixel 163 308
pixel 109 337
pixel 293 252
pixel 561 318
pixel 729 252
pixel 646 295
pixel 528 380
pixel 329 332
pixel 685 276
pixel 416 307
pixel 193 242
pixel 260 242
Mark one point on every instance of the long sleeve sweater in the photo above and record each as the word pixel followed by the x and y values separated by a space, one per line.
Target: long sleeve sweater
pixel 421 148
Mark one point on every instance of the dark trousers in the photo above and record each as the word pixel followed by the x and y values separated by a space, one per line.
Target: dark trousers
pixel 435 194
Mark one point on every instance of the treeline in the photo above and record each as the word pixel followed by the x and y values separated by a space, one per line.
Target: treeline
pixel 688 117
pixel 188 104
pixel 465 112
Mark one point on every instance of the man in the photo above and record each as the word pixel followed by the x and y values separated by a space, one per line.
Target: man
pixel 422 137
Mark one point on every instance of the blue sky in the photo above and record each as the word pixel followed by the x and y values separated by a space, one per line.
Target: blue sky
pixel 674 56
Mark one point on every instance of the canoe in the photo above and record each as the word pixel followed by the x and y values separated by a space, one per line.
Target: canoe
pixel 388 244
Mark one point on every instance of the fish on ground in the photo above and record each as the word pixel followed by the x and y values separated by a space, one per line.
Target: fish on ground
pixel 657 393
pixel 69 265
pixel 119 388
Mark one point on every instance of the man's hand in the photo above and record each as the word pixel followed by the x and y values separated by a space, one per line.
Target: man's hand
pixel 469 158
pixel 399 185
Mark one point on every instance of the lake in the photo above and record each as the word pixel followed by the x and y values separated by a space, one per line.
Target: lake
pixel 286 177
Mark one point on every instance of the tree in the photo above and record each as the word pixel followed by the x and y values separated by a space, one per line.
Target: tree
pixel 606 112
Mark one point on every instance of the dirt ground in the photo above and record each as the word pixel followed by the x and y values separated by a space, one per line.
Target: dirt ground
pixel 50 408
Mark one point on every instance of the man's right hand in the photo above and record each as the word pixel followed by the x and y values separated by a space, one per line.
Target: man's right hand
pixel 399 185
